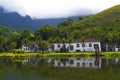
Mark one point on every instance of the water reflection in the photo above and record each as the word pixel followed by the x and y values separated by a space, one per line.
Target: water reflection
pixel 39 68
pixel 78 62
pixel 92 62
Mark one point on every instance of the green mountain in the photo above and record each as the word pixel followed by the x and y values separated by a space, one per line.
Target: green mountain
pixel 106 18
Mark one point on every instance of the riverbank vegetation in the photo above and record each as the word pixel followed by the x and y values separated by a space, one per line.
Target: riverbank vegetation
pixel 74 54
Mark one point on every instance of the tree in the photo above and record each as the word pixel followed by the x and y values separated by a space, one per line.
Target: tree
pixel 25 37
pixel 68 22
pixel 76 34
pixel 2 42
pixel 25 34
pixel 12 45
pixel 57 39
pixel 43 46
pixel 45 32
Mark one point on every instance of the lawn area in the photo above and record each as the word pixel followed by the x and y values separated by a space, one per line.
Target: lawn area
pixel 73 54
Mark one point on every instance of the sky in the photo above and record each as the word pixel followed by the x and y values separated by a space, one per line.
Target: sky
pixel 43 9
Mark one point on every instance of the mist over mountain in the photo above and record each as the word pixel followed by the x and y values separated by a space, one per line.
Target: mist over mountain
pixel 16 21
pixel 53 22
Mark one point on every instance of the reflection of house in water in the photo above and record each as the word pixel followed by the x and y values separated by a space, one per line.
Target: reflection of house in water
pixel 35 60
pixel 29 60
pixel 78 62
pixel 94 62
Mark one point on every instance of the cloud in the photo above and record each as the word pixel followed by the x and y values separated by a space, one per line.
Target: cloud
pixel 56 8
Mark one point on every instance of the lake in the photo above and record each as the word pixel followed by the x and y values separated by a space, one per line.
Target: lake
pixel 52 68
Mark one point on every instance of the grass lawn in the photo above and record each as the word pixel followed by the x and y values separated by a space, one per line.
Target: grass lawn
pixel 72 54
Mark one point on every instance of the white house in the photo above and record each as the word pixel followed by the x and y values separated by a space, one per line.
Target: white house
pixel 32 47
pixel 79 46
pixel 75 46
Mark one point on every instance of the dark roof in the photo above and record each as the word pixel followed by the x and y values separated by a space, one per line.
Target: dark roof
pixel 92 40
pixel 33 42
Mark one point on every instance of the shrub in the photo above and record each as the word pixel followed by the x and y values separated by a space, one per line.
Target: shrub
pixel 57 51
pixel 18 51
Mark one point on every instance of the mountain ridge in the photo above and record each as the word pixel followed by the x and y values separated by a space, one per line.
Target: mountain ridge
pixel 16 21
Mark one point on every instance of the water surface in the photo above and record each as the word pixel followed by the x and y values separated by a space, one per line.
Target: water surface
pixel 71 68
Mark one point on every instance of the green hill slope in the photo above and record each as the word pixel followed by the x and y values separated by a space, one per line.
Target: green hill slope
pixel 106 18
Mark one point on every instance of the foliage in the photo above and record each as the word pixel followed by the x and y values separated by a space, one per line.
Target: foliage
pixel 43 46
pixel 18 51
pixel 45 32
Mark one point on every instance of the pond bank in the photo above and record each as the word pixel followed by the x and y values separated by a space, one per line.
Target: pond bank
pixel 76 54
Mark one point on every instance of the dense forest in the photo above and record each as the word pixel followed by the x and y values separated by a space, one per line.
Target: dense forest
pixel 104 26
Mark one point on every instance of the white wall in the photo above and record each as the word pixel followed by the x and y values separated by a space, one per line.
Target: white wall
pixel 27 48
pixel 86 48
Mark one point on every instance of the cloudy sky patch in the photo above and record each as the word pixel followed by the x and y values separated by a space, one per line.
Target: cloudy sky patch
pixel 56 8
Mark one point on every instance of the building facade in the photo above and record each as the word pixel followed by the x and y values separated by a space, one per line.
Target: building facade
pixel 32 47
pixel 88 45
pixel 77 46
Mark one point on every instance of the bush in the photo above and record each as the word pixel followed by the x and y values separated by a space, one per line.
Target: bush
pixel 57 51
pixel 1 49
pixel 18 51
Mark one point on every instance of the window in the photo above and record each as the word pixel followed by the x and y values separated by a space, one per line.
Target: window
pixel 24 48
pixel 83 45
pixel 117 46
pixel 32 48
pixel 58 45
pixel 59 64
pixel 64 46
pixel 52 47
pixel 90 44
pixel 77 45
pixel 71 47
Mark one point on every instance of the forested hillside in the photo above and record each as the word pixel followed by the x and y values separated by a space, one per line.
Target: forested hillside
pixel 11 39
pixel 8 38
pixel 105 26
pixel 5 31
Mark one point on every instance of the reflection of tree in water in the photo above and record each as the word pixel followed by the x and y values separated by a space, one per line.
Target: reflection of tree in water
pixel 97 61
pixel 5 60
pixel 36 61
